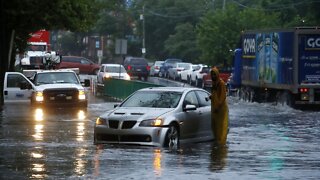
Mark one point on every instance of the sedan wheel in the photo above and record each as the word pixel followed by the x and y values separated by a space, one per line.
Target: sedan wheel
pixel 172 138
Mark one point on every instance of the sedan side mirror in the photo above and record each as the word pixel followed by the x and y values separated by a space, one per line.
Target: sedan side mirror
pixel 190 107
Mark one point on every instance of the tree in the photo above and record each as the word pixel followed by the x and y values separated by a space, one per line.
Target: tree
pixel 183 43
pixel 19 18
pixel 218 32
pixel 161 19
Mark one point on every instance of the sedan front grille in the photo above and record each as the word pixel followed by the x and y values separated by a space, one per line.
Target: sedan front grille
pixel 113 124
pixel 128 124
pixel 123 138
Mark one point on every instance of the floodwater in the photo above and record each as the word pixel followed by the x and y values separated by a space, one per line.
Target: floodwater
pixel 265 141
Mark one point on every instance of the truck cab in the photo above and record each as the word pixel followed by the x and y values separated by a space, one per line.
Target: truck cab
pixel 46 88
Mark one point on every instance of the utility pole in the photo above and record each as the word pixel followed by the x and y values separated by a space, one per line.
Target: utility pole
pixel 224 5
pixel 143 33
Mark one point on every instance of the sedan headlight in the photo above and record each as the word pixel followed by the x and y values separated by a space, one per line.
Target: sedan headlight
pixel 82 95
pixel 39 96
pixel 101 121
pixel 152 122
pixel 106 76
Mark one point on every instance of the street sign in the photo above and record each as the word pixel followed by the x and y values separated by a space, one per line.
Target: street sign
pixel 121 46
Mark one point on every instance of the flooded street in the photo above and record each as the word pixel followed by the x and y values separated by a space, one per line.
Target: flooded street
pixel 265 141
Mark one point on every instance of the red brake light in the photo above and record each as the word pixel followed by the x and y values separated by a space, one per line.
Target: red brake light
pixel 148 68
pixel 304 90
pixel 129 67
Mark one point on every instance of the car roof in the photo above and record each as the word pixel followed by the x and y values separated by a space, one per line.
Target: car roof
pixel 111 65
pixel 174 89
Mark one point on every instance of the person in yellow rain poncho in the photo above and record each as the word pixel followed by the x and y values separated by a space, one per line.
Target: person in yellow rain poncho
pixel 219 108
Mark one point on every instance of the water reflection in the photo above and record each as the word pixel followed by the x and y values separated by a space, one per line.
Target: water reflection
pixel 37 164
pixel 38 127
pixel 96 160
pixel 80 163
pixel 218 157
pixel 157 162
pixel 80 131
pixel 38 114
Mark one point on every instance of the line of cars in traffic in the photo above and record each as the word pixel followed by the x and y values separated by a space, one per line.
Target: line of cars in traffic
pixel 193 74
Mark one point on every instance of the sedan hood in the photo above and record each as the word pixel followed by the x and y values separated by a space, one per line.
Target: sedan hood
pixel 134 113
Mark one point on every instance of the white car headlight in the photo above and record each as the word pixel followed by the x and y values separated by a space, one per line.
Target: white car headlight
pixel 82 95
pixel 152 122
pixel 106 75
pixel 127 77
pixel 39 96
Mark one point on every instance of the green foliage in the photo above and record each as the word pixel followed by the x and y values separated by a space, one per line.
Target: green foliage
pixel 161 19
pixel 183 43
pixel 218 33
pixel 27 16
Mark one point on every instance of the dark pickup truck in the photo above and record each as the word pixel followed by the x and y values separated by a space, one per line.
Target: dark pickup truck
pixel 137 66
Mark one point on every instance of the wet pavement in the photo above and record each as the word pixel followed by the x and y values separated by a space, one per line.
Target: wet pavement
pixel 265 141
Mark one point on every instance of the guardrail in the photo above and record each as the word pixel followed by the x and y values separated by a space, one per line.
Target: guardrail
pixel 120 89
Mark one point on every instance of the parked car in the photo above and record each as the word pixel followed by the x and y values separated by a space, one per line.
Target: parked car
pixel 224 74
pixel 175 72
pixel 197 74
pixel 159 116
pixel 137 66
pixel 116 71
pixel 85 65
pixel 155 68
pixel 168 63
pixel 186 74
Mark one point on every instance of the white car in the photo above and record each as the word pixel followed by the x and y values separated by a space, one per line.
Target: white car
pixel 175 71
pixel 197 74
pixel 158 116
pixel 116 71
pixel 155 68
pixel 186 74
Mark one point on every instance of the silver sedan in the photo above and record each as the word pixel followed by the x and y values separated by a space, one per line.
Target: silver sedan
pixel 158 116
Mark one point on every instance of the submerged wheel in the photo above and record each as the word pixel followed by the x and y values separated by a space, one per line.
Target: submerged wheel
pixel 172 138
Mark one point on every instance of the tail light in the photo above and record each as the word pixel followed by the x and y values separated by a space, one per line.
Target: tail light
pixel 303 90
pixel 156 67
pixel 148 68
pixel 129 67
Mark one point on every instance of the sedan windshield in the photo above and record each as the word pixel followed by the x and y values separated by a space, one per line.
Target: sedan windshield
pixel 155 99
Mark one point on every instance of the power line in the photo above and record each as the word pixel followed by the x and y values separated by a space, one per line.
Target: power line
pixel 278 7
